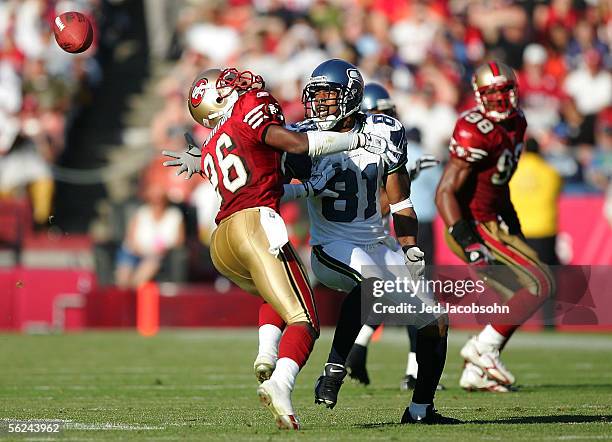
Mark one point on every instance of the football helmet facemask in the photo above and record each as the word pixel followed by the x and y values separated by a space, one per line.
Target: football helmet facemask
pixel 214 92
pixel 496 90
pixel 333 92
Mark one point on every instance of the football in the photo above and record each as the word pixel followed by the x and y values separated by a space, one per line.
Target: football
pixel 73 32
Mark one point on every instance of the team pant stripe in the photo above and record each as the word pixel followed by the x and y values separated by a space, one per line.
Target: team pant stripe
pixel 505 254
pixel 335 265
pixel 302 281
pixel 296 287
pixel 542 275
pixel 520 260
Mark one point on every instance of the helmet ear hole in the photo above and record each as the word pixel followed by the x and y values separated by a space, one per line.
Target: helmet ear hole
pixel 219 100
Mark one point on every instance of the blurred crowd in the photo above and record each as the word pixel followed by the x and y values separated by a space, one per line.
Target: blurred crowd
pixel 41 90
pixel 423 51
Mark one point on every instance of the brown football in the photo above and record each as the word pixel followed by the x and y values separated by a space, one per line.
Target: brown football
pixel 73 32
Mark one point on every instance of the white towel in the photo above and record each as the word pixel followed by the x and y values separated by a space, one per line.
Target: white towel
pixel 275 229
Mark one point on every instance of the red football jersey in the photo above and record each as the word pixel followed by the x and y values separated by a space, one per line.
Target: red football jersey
pixel 493 149
pixel 245 172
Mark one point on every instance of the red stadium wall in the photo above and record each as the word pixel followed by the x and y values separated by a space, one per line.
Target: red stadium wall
pixel 585 237
pixel 41 299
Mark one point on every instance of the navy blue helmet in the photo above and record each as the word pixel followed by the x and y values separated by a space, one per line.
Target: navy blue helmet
pixel 333 92
pixel 377 99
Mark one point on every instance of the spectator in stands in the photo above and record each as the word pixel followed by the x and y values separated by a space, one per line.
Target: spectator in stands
pixel 153 231
pixel 23 166
pixel 599 171
pixel 435 120
pixel 206 201
pixel 422 194
pixel 541 96
pixel 590 86
pixel 535 189
pixel 171 122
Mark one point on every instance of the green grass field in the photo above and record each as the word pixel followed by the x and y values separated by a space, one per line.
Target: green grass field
pixel 198 385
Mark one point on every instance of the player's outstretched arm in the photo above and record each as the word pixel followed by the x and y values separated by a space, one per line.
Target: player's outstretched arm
pixel 320 143
pixel 316 185
pixel 453 179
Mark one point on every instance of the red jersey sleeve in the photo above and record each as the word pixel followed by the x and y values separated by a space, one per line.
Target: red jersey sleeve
pixel 473 137
pixel 260 110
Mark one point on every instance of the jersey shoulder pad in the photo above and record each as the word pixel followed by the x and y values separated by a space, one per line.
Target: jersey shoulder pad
pixel 391 129
pixel 296 166
pixel 258 109
pixel 302 126
pixel 474 137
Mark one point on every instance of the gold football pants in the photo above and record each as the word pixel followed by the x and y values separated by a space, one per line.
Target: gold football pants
pixel 239 251
pixel 523 267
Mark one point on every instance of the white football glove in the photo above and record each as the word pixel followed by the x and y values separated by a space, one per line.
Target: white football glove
pixel 316 186
pixel 415 261
pixel 424 162
pixel 379 146
pixel 189 161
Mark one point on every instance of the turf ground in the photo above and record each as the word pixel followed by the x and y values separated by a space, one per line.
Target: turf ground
pixel 198 385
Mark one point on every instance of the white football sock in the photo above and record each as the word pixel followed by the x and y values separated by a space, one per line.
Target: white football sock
pixel 412 367
pixel 269 337
pixel 285 373
pixel 364 336
pixel 491 337
pixel 418 411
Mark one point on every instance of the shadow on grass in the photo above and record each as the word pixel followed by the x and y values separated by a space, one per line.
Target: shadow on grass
pixel 559 419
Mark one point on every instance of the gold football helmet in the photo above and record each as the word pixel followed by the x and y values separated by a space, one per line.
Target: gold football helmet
pixel 214 92
pixel 496 90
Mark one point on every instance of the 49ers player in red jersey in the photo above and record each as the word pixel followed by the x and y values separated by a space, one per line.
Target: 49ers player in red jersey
pixel 473 198
pixel 242 159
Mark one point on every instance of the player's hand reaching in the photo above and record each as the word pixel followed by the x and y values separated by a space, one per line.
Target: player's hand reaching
pixel 415 261
pixel 424 162
pixel 317 185
pixel 380 146
pixel 188 161
pixel 478 254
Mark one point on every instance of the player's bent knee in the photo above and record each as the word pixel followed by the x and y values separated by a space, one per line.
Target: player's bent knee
pixel 313 329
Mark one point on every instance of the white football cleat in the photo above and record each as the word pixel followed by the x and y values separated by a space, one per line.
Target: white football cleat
pixel 487 357
pixel 263 367
pixel 278 401
pixel 474 378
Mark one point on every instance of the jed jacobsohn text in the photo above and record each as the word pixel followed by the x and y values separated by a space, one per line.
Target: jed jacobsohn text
pixel 404 307
pixel 459 287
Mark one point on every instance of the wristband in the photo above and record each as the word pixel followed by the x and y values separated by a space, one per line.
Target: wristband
pixel 406 204
pixel 463 233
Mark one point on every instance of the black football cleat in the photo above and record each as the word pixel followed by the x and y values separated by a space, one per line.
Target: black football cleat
pixel 432 417
pixel 356 364
pixel 328 385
